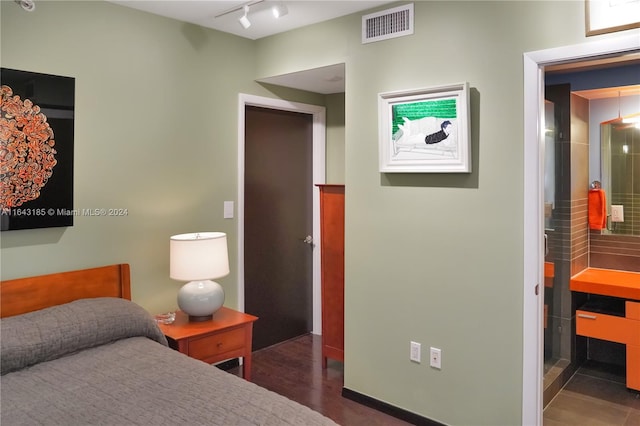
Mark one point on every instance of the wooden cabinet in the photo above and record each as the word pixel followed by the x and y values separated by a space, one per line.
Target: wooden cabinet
pixel 332 269
pixel 614 328
pixel 619 328
pixel 227 335
pixel 614 318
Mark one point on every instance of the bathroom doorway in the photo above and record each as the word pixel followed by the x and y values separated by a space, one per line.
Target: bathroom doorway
pixel 535 64
pixel 576 97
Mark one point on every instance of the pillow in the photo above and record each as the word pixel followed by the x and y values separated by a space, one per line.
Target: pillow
pixel 61 330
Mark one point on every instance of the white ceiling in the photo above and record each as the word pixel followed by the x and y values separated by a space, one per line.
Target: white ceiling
pixel 263 24
pixel 325 80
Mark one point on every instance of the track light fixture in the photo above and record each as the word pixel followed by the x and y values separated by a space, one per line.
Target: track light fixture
pixel 244 21
pixel 279 10
pixel 28 5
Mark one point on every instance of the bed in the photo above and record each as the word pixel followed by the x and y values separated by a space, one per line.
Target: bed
pixel 76 351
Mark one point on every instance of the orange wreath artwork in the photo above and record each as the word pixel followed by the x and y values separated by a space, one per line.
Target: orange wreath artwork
pixel 27 156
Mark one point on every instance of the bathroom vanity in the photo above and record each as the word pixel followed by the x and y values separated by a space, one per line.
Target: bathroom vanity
pixel 612 312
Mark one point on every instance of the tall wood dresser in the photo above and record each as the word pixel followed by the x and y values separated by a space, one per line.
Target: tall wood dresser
pixel 332 265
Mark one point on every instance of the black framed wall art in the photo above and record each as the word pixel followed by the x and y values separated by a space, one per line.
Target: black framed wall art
pixel 36 150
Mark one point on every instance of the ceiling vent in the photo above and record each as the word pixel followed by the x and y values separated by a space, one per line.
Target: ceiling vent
pixel 390 23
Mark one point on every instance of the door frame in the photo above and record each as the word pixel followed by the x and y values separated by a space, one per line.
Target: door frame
pixel 534 64
pixel 318 114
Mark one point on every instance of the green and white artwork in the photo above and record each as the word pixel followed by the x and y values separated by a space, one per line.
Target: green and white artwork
pixel 425 130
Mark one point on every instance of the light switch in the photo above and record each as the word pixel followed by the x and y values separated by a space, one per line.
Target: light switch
pixel 228 209
pixel 617 213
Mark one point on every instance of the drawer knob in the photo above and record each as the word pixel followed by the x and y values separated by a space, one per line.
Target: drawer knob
pixel 587 316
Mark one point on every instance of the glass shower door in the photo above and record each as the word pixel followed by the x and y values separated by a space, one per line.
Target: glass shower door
pixel 550 355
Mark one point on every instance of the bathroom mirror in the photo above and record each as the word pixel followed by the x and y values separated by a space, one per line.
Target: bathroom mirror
pixel 620 156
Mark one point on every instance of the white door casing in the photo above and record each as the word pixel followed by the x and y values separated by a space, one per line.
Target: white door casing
pixel 534 64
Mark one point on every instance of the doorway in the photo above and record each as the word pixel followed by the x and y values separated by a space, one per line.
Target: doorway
pixel 278 223
pixel 534 64
pixel 316 115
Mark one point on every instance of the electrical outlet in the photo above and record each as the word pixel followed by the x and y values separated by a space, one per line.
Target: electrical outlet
pixel 435 358
pixel 617 213
pixel 414 354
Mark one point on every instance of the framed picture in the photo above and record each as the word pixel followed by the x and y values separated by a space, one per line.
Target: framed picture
pixel 36 148
pixel 425 130
pixel 608 16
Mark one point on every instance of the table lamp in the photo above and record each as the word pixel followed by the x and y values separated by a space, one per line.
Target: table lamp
pixel 199 258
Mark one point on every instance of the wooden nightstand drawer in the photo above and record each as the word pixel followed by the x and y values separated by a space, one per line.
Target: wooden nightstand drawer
pixel 227 335
pixel 607 327
pixel 213 345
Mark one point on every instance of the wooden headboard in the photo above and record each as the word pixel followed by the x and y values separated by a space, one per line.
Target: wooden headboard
pixel 23 295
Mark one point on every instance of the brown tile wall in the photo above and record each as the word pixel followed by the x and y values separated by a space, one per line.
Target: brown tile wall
pixel 579 183
pixel 579 236
pixel 614 251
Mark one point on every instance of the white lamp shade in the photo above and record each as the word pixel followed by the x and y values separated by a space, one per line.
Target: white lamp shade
pixel 198 256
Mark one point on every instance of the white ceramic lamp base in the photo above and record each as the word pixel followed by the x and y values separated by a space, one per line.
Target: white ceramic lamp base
pixel 200 299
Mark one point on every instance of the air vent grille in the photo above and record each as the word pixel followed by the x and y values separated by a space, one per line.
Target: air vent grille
pixel 390 23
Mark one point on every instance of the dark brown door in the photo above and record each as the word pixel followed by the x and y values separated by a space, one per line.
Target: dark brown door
pixel 277 217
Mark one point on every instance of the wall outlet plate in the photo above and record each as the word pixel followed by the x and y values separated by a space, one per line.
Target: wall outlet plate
pixel 414 354
pixel 617 213
pixel 435 358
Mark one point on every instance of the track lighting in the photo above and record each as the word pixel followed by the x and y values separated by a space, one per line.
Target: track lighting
pixel 244 21
pixel 279 10
pixel 28 5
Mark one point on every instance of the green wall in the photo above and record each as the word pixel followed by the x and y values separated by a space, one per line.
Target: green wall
pixel 433 258
pixel 335 138
pixel 155 133
pixel 436 258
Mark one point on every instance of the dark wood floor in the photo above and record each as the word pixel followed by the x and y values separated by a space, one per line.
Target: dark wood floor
pixel 294 369
pixel 595 395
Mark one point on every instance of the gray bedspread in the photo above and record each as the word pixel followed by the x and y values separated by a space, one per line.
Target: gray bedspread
pixel 88 375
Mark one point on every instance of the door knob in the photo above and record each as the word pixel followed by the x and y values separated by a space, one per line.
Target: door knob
pixel 308 239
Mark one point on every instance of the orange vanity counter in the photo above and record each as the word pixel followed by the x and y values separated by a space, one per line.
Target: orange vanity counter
pixel 622 326
pixel 607 282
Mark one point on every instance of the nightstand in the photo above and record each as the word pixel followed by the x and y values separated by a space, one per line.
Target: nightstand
pixel 228 335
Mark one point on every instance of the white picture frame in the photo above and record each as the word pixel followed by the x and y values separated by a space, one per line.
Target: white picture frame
pixel 608 16
pixel 425 130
